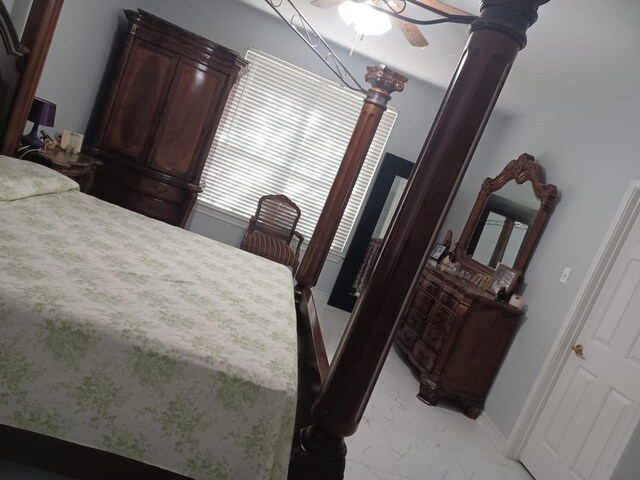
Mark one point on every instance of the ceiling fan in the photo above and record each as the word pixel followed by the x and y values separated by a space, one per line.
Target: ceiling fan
pixel 398 7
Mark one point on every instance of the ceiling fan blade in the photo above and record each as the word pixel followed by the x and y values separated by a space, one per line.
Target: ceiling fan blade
pixel 411 33
pixel 444 7
pixel 327 3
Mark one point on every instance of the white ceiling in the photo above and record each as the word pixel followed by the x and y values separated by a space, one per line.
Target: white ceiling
pixel 575 47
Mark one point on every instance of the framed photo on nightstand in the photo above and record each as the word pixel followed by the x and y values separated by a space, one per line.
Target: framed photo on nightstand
pixel 71 141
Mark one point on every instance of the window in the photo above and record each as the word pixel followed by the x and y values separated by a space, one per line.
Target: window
pixel 285 130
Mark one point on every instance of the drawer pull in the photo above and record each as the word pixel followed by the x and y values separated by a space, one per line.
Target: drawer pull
pixel 425 356
pixel 447 300
pixel 434 337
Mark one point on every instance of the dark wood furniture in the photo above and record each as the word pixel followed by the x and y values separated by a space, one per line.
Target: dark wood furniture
pixel 17 91
pixel 271 230
pixel 456 336
pixel 340 392
pixel 160 116
pixel 79 167
pixel 455 333
pixel 495 39
pixel 343 292
pixel 10 80
pixel 523 171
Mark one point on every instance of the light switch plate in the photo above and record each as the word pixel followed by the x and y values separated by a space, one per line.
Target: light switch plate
pixel 565 275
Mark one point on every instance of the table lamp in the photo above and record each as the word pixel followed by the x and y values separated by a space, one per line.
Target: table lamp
pixel 42 113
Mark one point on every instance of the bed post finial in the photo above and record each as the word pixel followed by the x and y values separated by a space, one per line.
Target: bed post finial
pixel 496 38
pixel 384 82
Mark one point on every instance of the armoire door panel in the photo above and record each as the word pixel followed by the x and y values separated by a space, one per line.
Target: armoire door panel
pixel 159 116
pixel 186 118
pixel 139 100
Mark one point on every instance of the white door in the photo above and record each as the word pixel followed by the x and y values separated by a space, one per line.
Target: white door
pixel 593 407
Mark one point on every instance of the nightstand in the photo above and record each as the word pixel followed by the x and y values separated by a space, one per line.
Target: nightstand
pixel 81 167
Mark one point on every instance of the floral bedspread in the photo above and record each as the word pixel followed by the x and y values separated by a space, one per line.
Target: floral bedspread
pixel 128 335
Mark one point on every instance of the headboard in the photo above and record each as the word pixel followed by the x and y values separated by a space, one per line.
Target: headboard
pixel 21 64
pixel 10 55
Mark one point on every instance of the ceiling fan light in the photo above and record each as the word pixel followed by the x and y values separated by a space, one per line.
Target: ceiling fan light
pixel 365 19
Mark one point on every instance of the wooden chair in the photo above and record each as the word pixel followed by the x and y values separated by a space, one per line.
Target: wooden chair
pixel 271 230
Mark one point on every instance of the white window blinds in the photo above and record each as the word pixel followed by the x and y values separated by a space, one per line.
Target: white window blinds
pixel 285 130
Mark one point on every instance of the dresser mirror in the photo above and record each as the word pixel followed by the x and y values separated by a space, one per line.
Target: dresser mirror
pixel 507 219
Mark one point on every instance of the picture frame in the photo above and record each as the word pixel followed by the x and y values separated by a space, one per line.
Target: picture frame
pixel 438 252
pixel 71 141
pixel 503 277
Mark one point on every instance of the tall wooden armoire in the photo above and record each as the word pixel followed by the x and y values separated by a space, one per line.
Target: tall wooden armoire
pixel 159 117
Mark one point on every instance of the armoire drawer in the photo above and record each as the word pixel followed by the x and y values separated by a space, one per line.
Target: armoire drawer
pixel 424 356
pixel 154 188
pixel 152 207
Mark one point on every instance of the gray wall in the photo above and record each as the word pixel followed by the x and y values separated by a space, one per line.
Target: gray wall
pixel 588 147
pixel 629 466
pixel 82 43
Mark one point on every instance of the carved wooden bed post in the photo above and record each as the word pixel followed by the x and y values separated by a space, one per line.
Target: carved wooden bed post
pixel 37 36
pixel 384 82
pixel 495 39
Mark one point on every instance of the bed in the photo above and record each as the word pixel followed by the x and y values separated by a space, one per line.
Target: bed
pixel 330 398
pixel 147 341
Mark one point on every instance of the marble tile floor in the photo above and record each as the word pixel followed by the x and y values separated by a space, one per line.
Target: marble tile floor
pixel 402 438
pixel 399 437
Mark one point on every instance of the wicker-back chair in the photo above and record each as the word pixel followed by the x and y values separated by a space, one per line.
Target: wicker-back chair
pixel 271 230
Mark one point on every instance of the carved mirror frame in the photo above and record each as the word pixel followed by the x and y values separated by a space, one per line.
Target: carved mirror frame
pixel 521 170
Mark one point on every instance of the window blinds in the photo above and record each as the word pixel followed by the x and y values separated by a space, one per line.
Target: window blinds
pixel 285 130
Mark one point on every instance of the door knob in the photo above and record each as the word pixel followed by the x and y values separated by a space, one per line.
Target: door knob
pixel 578 349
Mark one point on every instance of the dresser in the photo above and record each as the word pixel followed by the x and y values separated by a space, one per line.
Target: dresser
pixel 455 335
pixel 159 116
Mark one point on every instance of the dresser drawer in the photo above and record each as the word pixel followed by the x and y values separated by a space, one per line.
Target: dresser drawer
pixel 428 286
pixel 447 301
pixel 434 337
pixel 406 336
pixel 440 317
pixel 422 302
pixel 414 319
pixel 155 189
pixel 424 356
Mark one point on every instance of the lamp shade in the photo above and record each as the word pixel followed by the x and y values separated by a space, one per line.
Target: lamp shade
pixel 42 112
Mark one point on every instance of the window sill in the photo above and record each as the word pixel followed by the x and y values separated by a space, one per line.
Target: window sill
pixel 238 221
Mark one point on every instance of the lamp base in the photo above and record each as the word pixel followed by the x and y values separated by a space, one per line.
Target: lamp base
pixel 32 139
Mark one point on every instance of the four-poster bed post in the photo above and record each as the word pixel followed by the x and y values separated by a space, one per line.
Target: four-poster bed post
pixel 495 39
pixel 37 36
pixel 384 82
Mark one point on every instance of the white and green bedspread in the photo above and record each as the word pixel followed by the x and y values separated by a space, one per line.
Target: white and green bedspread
pixel 128 335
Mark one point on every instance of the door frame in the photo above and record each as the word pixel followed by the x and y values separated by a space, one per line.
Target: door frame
pixel 626 215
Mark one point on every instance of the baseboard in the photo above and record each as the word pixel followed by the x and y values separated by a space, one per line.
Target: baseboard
pixel 496 436
pixel 321 298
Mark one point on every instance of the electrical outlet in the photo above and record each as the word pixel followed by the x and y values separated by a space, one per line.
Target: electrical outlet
pixel 565 275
